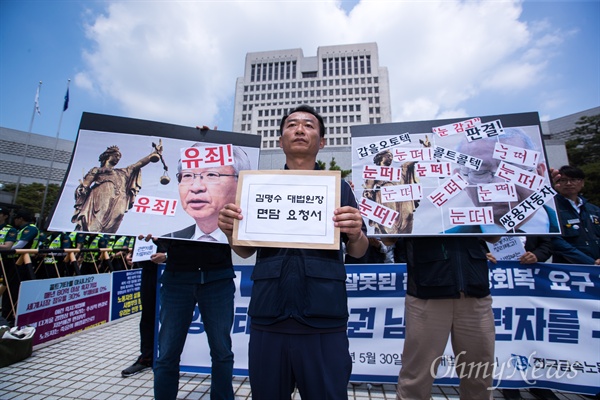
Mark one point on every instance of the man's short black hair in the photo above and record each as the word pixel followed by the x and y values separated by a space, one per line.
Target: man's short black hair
pixel 307 109
pixel 25 214
pixel 571 172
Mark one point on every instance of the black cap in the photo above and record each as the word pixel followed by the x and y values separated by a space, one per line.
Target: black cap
pixel 4 210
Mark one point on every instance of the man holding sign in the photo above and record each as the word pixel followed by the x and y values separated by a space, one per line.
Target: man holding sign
pixel 199 272
pixel 298 306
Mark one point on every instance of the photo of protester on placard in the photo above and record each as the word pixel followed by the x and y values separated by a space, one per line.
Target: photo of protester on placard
pixel 484 175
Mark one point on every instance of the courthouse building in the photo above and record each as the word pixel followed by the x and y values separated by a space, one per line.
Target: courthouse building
pixel 346 85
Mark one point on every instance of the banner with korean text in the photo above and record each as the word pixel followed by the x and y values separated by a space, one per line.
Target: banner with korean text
pixel 131 177
pixel 59 307
pixel 485 175
pixel 547 320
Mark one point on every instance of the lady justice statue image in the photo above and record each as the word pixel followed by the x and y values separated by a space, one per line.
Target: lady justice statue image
pixel 106 193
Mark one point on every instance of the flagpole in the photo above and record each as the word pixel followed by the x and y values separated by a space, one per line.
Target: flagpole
pixel 36 108
pixel 65 106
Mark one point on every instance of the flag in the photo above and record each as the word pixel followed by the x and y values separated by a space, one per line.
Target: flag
pixel 66 105
pixel 37 101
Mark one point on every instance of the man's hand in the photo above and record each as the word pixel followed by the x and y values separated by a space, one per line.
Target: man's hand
pixel 227 215
pixel 491 258
pixel 147 237
pixel 555 176
pixel 528 258
pixel 158 258
pixel 349 220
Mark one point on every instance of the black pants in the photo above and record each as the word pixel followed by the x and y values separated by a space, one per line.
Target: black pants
pixel 319 365
pixel 148 318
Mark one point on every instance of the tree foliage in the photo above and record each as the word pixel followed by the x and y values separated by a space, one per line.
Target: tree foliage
pixel 583 150
pixel 31 197
pixel 333 166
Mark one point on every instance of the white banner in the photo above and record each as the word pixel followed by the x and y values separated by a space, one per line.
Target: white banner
pixel 547 326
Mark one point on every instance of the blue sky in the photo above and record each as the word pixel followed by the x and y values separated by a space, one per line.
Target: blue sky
pixel 177 62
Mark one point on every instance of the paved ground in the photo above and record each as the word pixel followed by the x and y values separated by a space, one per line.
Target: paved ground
pixel 88 365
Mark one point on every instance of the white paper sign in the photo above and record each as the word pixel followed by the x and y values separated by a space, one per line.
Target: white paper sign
pixel 142 250
pixel 288 209
pixel 508 248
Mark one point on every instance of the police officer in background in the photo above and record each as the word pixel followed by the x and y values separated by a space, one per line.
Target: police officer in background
pixel 27 238
pixel 91 260
pixel 8 233
pixel 579 221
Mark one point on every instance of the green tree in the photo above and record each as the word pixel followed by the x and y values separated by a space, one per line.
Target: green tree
pixel 333 166
pixel 31 197
pixel 583 150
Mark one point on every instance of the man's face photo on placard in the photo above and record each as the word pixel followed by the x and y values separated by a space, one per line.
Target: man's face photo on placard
pixel 484 149
pixel 204 191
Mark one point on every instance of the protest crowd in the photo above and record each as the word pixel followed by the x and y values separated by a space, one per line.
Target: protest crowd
pixel 291 348
pixel 44 255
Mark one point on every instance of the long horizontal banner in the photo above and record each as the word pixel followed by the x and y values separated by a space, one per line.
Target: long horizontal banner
pixel 485 175
pixel 547 320
pixel 188 176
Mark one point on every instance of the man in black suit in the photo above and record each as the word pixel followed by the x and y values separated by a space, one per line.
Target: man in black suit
pixel 204 192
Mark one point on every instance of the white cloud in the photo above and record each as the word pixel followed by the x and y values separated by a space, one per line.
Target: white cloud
pixel 178 61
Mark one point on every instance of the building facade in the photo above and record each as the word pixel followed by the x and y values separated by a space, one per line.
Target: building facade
pixel 345 84
pixel 31 158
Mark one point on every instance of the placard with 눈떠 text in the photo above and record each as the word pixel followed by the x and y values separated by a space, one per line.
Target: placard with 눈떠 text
pixel 284 208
